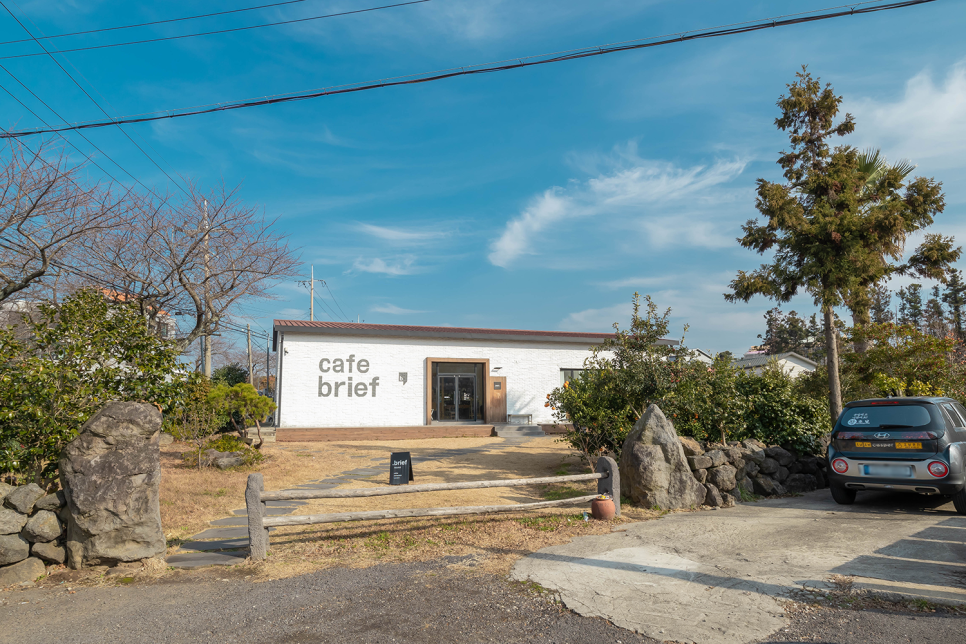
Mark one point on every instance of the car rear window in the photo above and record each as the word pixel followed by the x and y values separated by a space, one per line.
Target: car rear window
pixel 869 417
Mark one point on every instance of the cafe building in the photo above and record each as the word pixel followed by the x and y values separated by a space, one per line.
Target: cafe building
pixel 343 380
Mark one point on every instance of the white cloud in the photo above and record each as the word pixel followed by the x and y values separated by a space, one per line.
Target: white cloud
pixel 402 266
pixel 696 300
pixel 638 282
pixel 392 309
pixel 670 205
pixel 399 234
pixel 927 124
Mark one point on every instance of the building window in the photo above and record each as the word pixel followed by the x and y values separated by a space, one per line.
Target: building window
pixel 567 375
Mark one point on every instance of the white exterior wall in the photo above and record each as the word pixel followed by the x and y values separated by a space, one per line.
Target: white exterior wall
pixel 532 370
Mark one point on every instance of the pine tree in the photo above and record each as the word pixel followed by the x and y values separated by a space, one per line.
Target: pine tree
pixel 934 316
pixel 955 299
pixel 910 306
pixel 880 311
pixel 832 234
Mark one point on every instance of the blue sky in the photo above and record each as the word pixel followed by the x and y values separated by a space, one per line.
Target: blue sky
pixel 539 198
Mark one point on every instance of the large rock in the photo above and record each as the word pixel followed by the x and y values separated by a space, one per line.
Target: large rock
pixel 718 457
pixel 26 571
pixel 756 457
pixel 699 462
pixel 701 475
pixel 5 489
pixel 768 466
pixel 23 498
pixel 800 483
pixel 111 473
pixel 49 552
pixel 11 521
pixel 13 548
pixel 767 487
pixel 42 527
pixel 691 446
pixel 713 497
pixel 723 477
pixel 52 501
pixel 653 468
pixel 784 457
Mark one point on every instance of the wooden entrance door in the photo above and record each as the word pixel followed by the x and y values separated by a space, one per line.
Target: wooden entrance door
pixel 496 399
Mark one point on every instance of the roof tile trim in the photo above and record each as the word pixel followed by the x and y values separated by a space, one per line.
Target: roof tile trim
pixel 441 330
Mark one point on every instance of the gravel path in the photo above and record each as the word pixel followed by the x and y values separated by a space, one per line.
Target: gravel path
pixel 837 626
pixel 411 603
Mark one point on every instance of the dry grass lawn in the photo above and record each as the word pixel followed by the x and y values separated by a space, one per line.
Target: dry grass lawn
pixel 191 498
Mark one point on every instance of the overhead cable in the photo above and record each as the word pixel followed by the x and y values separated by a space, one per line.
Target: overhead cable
pixel 219 31
pixel 159 22
pixel 98 105
pixel 504 65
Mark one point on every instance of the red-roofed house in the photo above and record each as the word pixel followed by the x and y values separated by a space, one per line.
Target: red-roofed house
pixel 349 375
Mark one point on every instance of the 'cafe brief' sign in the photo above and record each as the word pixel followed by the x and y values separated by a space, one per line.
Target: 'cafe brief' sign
pixel 330 386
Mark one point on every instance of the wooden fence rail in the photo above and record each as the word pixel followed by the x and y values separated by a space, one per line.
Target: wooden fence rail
pixel 607 477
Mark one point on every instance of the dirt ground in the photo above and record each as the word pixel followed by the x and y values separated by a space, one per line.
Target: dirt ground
pixel 190 499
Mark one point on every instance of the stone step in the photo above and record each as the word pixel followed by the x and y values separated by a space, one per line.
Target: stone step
pixel 517 431
pixel 268 435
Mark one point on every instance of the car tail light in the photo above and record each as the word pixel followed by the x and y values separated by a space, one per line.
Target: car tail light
pixel 938 469
pixel 841 466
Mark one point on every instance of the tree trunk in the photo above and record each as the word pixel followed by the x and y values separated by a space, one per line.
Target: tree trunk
pixel 860 319
pixel 832 365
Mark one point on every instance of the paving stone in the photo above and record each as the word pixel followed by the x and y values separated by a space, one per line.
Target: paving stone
pixel 202 559
pixel 283 504
pixel 225 533
pixel 221 544
pixel 230 521
pixel 269 512
pixel 317 486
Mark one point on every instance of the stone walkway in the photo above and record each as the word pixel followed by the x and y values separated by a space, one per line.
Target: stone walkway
pixel 226 542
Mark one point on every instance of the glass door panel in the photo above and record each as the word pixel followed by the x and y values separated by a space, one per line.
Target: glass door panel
pixel 466 391
pixel 447 398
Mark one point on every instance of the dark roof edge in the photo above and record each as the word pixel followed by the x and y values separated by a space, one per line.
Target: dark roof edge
pixel 451 332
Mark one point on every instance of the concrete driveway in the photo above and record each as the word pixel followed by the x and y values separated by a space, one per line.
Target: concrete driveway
pixel 715 576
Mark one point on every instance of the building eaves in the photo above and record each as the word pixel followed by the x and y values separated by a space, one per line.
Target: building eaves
pixel 462 333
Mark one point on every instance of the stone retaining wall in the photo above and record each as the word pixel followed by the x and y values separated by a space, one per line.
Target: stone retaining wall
pixel 31 532
pixel 753 467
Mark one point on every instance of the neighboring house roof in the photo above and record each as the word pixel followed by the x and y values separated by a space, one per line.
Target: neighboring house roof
pixel 751 362
pixel 355 328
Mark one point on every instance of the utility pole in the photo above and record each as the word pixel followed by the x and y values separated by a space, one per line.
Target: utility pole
pixel 207 360
pixel 268 346
pixel 312 295
pixel 251 367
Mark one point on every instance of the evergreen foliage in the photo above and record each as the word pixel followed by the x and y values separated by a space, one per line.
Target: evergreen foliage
pixel 73 359
pixel 833 230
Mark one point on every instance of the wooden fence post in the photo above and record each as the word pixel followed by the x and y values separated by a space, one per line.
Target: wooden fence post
pixel 257 532
pixel 611 483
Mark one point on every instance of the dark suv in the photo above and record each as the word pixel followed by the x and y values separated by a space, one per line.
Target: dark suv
pixel 903 444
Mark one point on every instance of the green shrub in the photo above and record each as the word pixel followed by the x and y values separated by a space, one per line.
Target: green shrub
pixel 778 415
pixel 62 367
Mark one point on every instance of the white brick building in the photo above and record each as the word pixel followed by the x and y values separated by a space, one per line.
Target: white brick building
pixel 335 375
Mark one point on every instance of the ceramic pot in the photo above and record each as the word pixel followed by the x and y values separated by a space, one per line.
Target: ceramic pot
pixel 603 509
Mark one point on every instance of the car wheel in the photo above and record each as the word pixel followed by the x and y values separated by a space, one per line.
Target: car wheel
pixel 959 500
pixel 845 496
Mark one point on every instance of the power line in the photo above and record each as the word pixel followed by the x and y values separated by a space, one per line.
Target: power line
pixel 7 134
pixel 159 22
pixel 326 285
pixel 514 63
pixel 98 105
pixel 220 31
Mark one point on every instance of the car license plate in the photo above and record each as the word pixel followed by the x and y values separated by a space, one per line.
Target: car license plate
pixel 908 445
pixel 888 471
pixel 862 444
